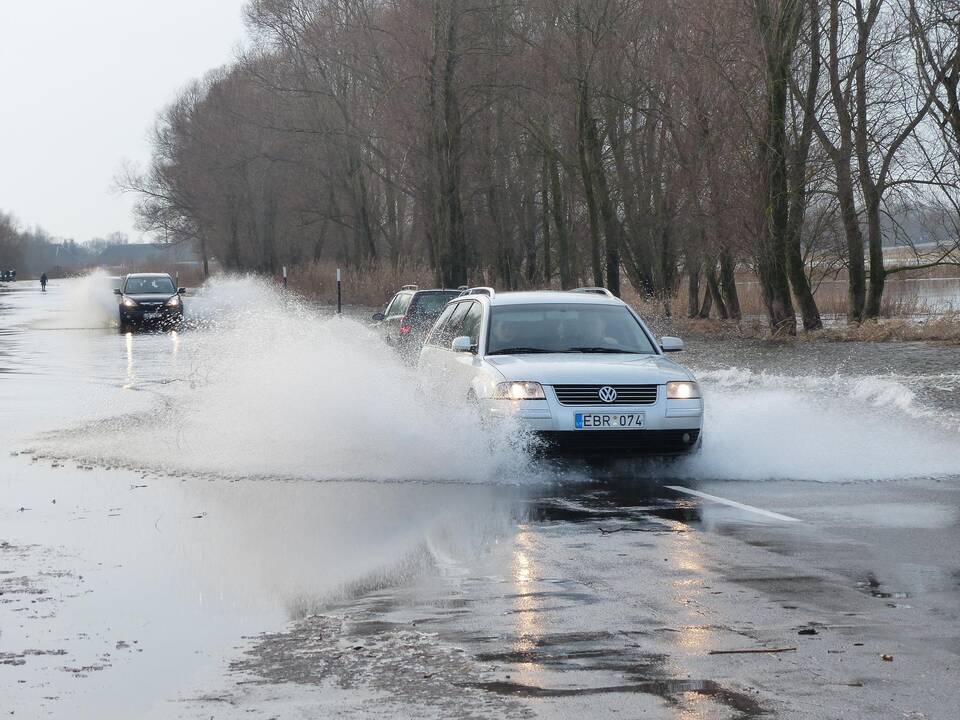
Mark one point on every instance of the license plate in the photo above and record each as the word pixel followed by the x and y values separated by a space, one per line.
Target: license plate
pixel 151 315
pixel 608 421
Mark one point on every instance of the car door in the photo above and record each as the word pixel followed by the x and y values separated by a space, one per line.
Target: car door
pixel 465 364
pixel 453 369
pixel 433 353
pixel 393 315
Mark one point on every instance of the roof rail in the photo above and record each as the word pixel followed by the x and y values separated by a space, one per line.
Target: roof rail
pixel 461 288
pixel 482 290
pixel 593 290
pixel 410 287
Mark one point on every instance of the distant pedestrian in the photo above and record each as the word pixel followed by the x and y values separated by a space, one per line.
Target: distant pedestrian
pixel 43 282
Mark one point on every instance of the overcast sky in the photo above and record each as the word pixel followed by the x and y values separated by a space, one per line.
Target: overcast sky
pixel 80 84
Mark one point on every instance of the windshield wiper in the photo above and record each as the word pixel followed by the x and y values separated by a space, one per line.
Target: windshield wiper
pixel 618 351
pixel 518 351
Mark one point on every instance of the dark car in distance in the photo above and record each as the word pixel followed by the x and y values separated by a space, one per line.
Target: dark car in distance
pixel 407 317
pixel 149 299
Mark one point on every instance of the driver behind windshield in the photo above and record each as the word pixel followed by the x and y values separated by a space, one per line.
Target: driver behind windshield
pixel 591 331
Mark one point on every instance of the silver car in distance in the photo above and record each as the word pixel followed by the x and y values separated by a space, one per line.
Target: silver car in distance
pixel 580 368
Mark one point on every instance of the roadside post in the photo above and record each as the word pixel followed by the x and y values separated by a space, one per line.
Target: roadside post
pixel 339 307
pixel 284 277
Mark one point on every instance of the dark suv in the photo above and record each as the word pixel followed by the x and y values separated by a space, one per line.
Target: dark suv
pixel 408 316
pixel 150 299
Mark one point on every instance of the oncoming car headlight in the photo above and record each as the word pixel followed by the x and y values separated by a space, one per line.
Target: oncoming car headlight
pixel 522 390
pixel 127 302
pixel 174 301
pixel 682 390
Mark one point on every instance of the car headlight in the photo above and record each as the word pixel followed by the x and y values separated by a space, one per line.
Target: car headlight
pixel 523 390
pixel 682 390
pixel 174 301
pixel 127 302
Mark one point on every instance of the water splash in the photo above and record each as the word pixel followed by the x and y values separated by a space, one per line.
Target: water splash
pixel 270 387
pixel 763 426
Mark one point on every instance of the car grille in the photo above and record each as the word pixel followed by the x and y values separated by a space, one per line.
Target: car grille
pixel 618 443
pixel 590 394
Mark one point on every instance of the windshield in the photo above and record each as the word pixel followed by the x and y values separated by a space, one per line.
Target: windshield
pixel 574 328
pixel 431 303
pixel 144 285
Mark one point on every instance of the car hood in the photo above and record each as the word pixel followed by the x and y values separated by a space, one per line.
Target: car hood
pixel 151 297
pixel 585 368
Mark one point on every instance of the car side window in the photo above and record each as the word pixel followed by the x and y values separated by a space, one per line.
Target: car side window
pixel 471 323
pixel 438 328
pixel 389 307
pixel 399 305
pixel 444 334
pixel 454 328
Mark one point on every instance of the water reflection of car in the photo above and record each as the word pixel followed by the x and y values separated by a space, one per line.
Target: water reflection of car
pixel 149 299
pixel 408 316
pixel 579 368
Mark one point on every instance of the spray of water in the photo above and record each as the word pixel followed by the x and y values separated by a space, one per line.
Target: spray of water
pixel 80 303
pixel 266 384
pixel 824 428
pixel 269 387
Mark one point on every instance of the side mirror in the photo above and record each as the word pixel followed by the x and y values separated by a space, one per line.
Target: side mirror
pixel 671 344
pixel 462 344
pixel 378 316
pixel 117 291
pixel 181 291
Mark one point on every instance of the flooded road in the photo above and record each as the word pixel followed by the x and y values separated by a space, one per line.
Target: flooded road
pixel 262 515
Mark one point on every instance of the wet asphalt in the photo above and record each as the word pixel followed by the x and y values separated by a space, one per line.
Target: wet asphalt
pixel 130 590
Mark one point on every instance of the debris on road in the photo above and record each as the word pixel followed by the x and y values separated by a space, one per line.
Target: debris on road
pixel 751 650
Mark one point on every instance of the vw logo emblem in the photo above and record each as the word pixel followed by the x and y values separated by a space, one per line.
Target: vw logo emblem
pixel 607 394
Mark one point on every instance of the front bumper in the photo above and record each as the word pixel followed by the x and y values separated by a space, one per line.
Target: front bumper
pixel 619 443
pixel 671 427
pixel 150 315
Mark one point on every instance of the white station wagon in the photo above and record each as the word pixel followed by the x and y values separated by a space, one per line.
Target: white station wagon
pixel 578 367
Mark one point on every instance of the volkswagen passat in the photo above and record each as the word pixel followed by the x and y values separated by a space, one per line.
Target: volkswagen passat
pixel 149 298
pixel 580 368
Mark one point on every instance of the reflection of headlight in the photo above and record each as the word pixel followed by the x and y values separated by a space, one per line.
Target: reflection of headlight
pixel 682 390
pixel 127 302
pixel 523 390
pixel 174 301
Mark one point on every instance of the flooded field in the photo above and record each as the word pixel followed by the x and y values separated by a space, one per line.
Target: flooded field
pixel 263 514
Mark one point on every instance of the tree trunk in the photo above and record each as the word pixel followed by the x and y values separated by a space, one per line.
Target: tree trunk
pixel 801 286
pixel 857 283
pixel 611 223
pixel 584 123
pixel 878 274
pixel 797 181
pixel 713 289
pixel 728 284
pixel 693 289
pixel 545 219
pixel 779 35
pixel 560 224
pixel 707 306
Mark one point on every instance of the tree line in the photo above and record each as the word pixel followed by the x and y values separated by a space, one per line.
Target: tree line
pixel 664 144
pixel 34 251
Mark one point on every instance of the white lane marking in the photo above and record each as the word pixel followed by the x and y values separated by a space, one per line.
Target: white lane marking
pixel 734 504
